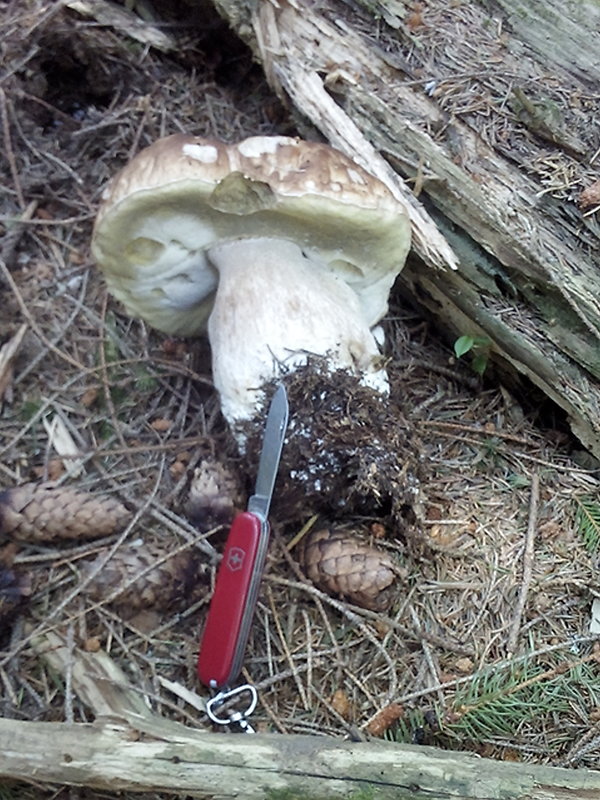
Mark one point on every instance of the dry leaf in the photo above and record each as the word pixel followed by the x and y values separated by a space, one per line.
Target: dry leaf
pixel 381 627
pixel 341 704
pixel 51 471
pixel 377 530
pixel 464 665
pixel 64 444
pixel 384 719
pixel 89 397
pixel 590 196
pixel 595 715
pixel 161 425
pixel 415 18
pixel 177 470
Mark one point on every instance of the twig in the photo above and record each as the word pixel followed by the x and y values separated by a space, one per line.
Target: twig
pixel 286 649
pixel 33 322
pixel 50 620
pixel 507 664
pixel 106 387
pixel 528 556
pixel 582 746
pixel 542 677
pixel 68 674
pixel 472 429
pixel 8 149
pixel 447 372
pixel 8 351
pixel 433 669
pixel 14 233
pixel 551 465
pixel 124 21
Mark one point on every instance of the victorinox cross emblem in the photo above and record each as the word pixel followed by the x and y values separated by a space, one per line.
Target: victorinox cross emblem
pixel 235 558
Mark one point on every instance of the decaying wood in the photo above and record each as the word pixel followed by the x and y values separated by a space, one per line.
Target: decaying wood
pixel 123 19
pixel 502 192
pixel 129 747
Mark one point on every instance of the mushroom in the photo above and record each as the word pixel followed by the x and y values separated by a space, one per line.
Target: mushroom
pixel 284 249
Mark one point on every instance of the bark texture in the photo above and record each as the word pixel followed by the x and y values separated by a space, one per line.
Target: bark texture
pixel 167 757
pixel 486 108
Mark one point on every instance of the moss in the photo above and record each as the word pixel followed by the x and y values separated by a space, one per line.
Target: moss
pixel 367 792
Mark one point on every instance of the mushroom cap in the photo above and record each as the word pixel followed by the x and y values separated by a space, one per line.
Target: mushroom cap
pixel 161 214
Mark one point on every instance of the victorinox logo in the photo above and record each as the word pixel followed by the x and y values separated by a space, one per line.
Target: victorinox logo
pixel 235 558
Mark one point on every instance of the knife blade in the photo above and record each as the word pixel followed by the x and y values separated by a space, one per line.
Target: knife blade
pixel 229 619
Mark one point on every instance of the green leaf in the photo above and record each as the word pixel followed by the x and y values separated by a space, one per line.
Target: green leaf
pixel 29 409
pixel 462 345
pixel 145 381
pixel 480 363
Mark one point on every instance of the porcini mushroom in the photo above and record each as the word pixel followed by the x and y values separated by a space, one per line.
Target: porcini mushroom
pixel 283 248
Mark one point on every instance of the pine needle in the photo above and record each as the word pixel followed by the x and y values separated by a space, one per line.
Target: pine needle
pixel 498 702
pixel 587 522
pixel 505 702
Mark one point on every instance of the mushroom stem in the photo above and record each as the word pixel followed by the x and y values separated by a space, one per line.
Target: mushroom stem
pixel 276 307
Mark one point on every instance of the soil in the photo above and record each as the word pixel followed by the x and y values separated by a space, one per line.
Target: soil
pixel 477 618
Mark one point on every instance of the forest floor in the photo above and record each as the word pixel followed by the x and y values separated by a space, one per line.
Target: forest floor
pixel 488 644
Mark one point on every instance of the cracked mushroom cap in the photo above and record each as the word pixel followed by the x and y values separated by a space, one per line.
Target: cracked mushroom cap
pixel 161 214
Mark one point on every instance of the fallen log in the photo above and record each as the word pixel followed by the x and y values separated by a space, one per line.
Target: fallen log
pixel 129 747
pixel 171 758
pixel 486 109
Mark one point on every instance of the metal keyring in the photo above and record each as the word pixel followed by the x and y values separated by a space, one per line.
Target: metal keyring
pixel 234 717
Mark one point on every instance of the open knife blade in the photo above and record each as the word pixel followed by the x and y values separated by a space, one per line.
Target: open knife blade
pixel 234 600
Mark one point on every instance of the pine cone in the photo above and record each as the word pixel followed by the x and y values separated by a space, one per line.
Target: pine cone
pixel 339 562
pixel 146 583
pixel 214 495
pixel 41 512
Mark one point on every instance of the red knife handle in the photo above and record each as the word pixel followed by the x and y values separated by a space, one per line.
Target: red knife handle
pixel 232 606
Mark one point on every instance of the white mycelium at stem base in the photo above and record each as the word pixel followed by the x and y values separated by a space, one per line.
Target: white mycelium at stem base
pixel 274 308
pixel 293 243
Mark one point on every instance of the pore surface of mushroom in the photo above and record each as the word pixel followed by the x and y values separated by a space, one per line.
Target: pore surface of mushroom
pixel 282 248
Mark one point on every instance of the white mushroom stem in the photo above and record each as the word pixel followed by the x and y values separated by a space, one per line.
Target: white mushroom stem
pixel 274 308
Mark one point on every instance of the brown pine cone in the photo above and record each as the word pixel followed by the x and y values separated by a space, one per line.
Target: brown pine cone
pixel 148 579
pixel 38 512
pixel 214 495
pixel 339 562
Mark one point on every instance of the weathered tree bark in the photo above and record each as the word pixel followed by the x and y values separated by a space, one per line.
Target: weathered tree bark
pixel 167 757
pixel 129 747
pixel 487 108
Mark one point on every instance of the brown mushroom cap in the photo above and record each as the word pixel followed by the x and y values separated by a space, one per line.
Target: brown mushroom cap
pixel 180 196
